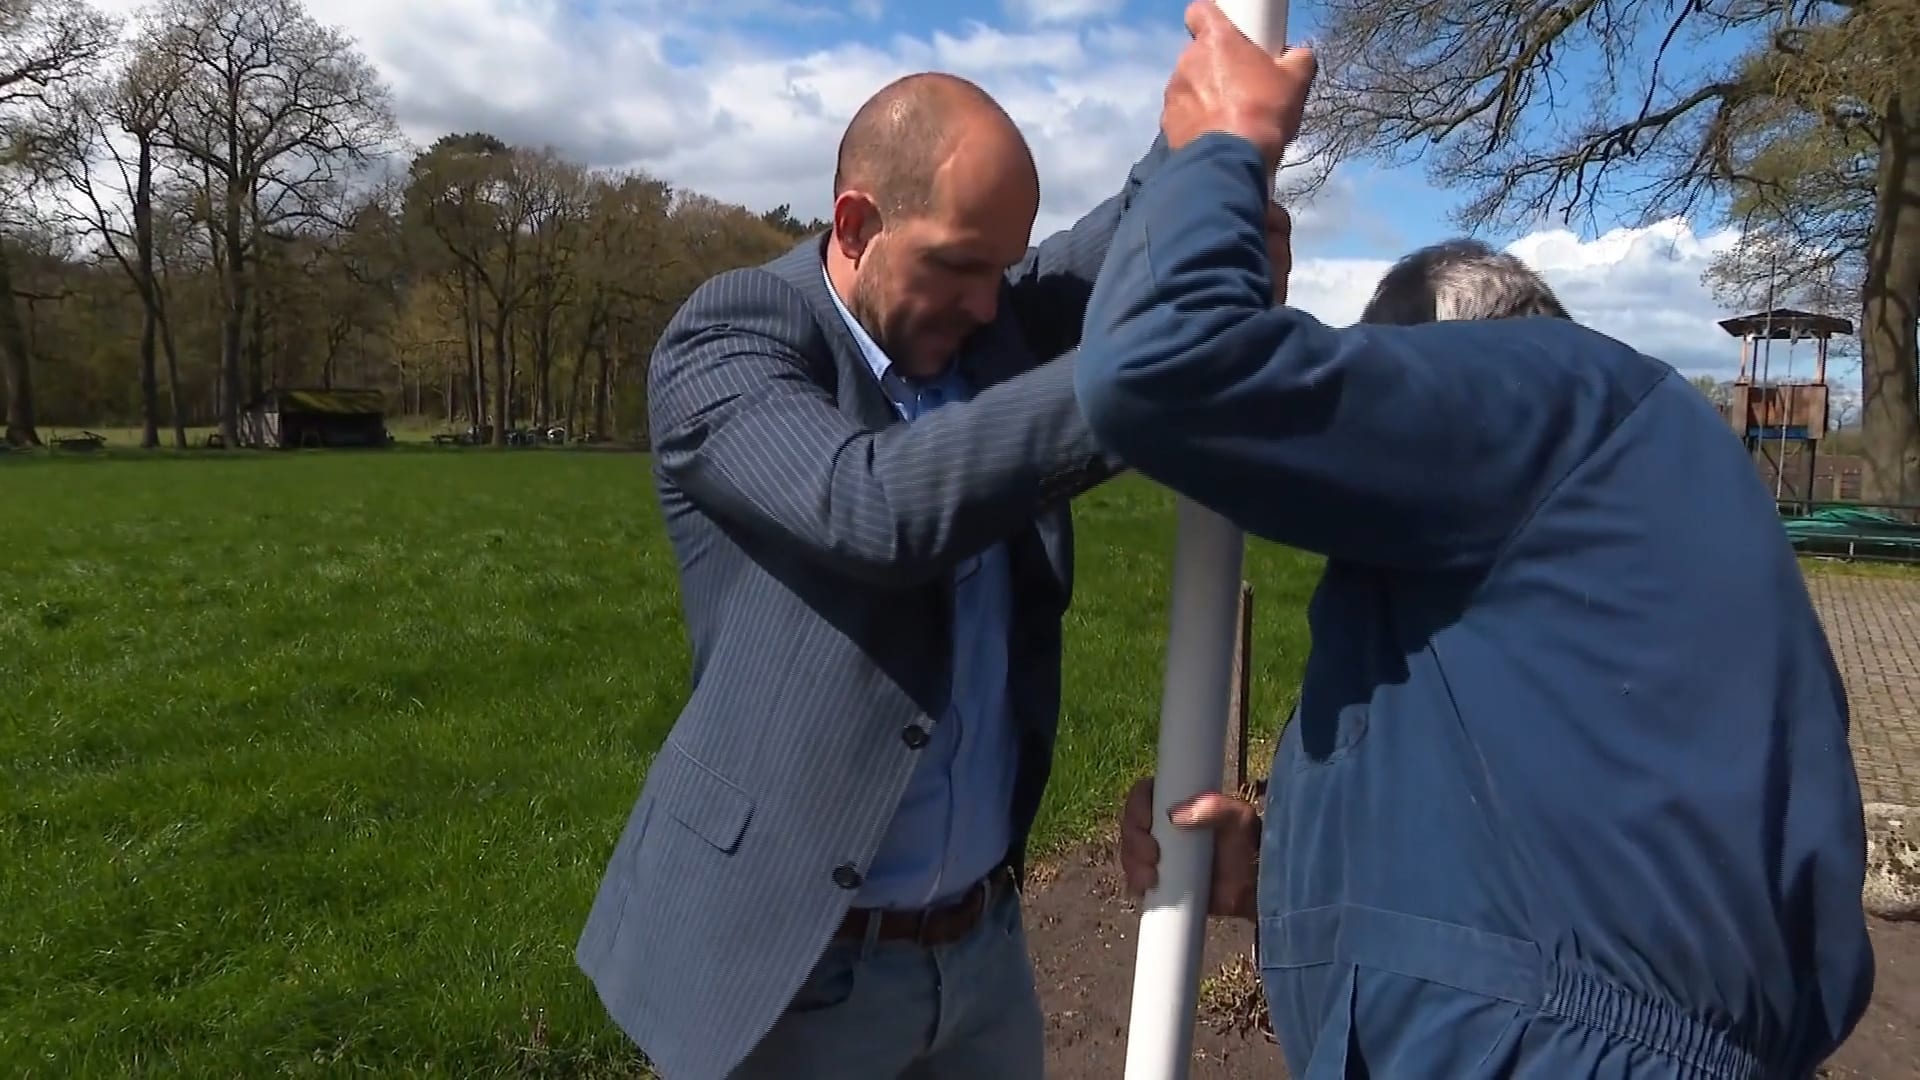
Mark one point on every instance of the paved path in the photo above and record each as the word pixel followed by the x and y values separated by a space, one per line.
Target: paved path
pixel 1873 623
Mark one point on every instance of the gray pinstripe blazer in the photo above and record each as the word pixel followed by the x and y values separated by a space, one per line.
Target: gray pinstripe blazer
pixel 816 534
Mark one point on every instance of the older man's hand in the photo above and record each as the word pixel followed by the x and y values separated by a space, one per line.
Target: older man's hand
pixel 1226 83
pixel 1236 846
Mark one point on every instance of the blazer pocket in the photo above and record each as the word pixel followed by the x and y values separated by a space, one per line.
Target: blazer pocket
pixel 711 807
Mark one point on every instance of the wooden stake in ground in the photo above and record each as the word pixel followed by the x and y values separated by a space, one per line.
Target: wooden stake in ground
pixel 1241 703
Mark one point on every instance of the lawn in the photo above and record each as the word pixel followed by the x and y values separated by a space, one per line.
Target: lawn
pixel 312 761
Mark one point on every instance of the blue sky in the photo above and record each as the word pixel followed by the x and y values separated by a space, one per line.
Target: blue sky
pixel 745 100
pixel 1404 208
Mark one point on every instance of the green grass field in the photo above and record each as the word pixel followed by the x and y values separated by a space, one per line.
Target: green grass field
pixel 313 760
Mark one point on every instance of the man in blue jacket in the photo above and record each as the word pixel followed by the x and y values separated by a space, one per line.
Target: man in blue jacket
pixel 1568 792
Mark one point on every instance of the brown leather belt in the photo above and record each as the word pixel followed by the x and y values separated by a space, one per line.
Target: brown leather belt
pixel 940 925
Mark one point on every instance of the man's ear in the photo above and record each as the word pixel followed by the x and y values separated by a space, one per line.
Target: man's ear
pixel 856 221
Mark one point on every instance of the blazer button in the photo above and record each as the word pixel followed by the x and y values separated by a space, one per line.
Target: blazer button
pixel 846 876
pixel 915 736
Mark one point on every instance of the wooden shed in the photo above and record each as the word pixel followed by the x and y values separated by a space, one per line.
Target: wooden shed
pixel 314 418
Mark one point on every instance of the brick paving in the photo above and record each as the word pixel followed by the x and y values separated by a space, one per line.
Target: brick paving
pixel 1873 625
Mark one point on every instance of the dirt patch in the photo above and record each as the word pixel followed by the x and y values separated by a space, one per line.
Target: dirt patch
pixel 1886 1044
pixel 1081 928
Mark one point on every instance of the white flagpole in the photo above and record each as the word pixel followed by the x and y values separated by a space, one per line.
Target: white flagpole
pixel 1207 555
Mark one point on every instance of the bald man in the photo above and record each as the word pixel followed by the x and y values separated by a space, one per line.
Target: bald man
pixel 864 456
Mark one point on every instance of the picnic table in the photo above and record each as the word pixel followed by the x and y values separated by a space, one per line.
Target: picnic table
pixel 86 442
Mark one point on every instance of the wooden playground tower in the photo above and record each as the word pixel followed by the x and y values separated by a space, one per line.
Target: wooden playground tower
pixel 1782 417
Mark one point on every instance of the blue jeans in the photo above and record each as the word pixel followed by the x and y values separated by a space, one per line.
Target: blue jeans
pixel 881 1010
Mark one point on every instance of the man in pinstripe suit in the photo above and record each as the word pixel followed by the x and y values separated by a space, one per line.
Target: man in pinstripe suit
pixel 820 877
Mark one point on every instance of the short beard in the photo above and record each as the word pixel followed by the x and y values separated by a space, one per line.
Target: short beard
pixel 864 304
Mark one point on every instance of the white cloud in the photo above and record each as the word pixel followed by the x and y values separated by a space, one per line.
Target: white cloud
pixel 1640 286
pixel 685 94
pixel 752 123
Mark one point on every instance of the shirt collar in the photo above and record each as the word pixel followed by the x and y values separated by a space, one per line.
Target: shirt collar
pixel 869 349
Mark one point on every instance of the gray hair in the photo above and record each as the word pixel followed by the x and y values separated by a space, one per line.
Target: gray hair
pixel 1458 280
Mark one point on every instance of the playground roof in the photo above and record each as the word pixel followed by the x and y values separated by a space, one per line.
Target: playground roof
pixel 336 402
pixel 1783 323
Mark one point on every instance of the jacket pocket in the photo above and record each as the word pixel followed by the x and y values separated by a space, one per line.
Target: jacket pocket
pixel 1323 740
pixel 709 805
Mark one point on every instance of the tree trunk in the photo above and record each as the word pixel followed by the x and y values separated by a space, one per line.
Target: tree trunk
pixel 338 332
pixel 174 403
pixel 233 317
pixel 257 289
pixel 256 325
pixel 579 379
pixel 149 381
pixel 603 387
pixel 173 379
pixel 516 399
pixel 149 294
pixel 500 381
pixel 1890 312
pixel 543 371
pixel 615 372
pixel 476 352
pixel 16 358
pixel 596 331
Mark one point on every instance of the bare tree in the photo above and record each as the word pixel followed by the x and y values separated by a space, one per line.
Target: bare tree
pixel 481 200
pixel 1717 391
pixel 559 235
pixel 106 153
pixel 1486 94
pixel 628 257
pixel 46 47
pixel 275 108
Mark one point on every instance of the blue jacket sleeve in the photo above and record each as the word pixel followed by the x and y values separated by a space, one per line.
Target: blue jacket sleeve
pixel 1047 292
pixel 1409 447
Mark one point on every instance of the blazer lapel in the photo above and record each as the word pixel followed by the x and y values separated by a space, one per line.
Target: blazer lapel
pixel 860 397
pixel 859 393
pixel 993 355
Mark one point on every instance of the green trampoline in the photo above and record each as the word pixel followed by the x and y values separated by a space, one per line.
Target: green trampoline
pixel 1854 533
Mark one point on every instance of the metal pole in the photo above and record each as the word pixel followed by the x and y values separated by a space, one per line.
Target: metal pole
pixel 1786 418
pixel 1760 442
pixel 1207 556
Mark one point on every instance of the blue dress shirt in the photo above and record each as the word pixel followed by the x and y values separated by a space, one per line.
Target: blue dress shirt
pixel 955 822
